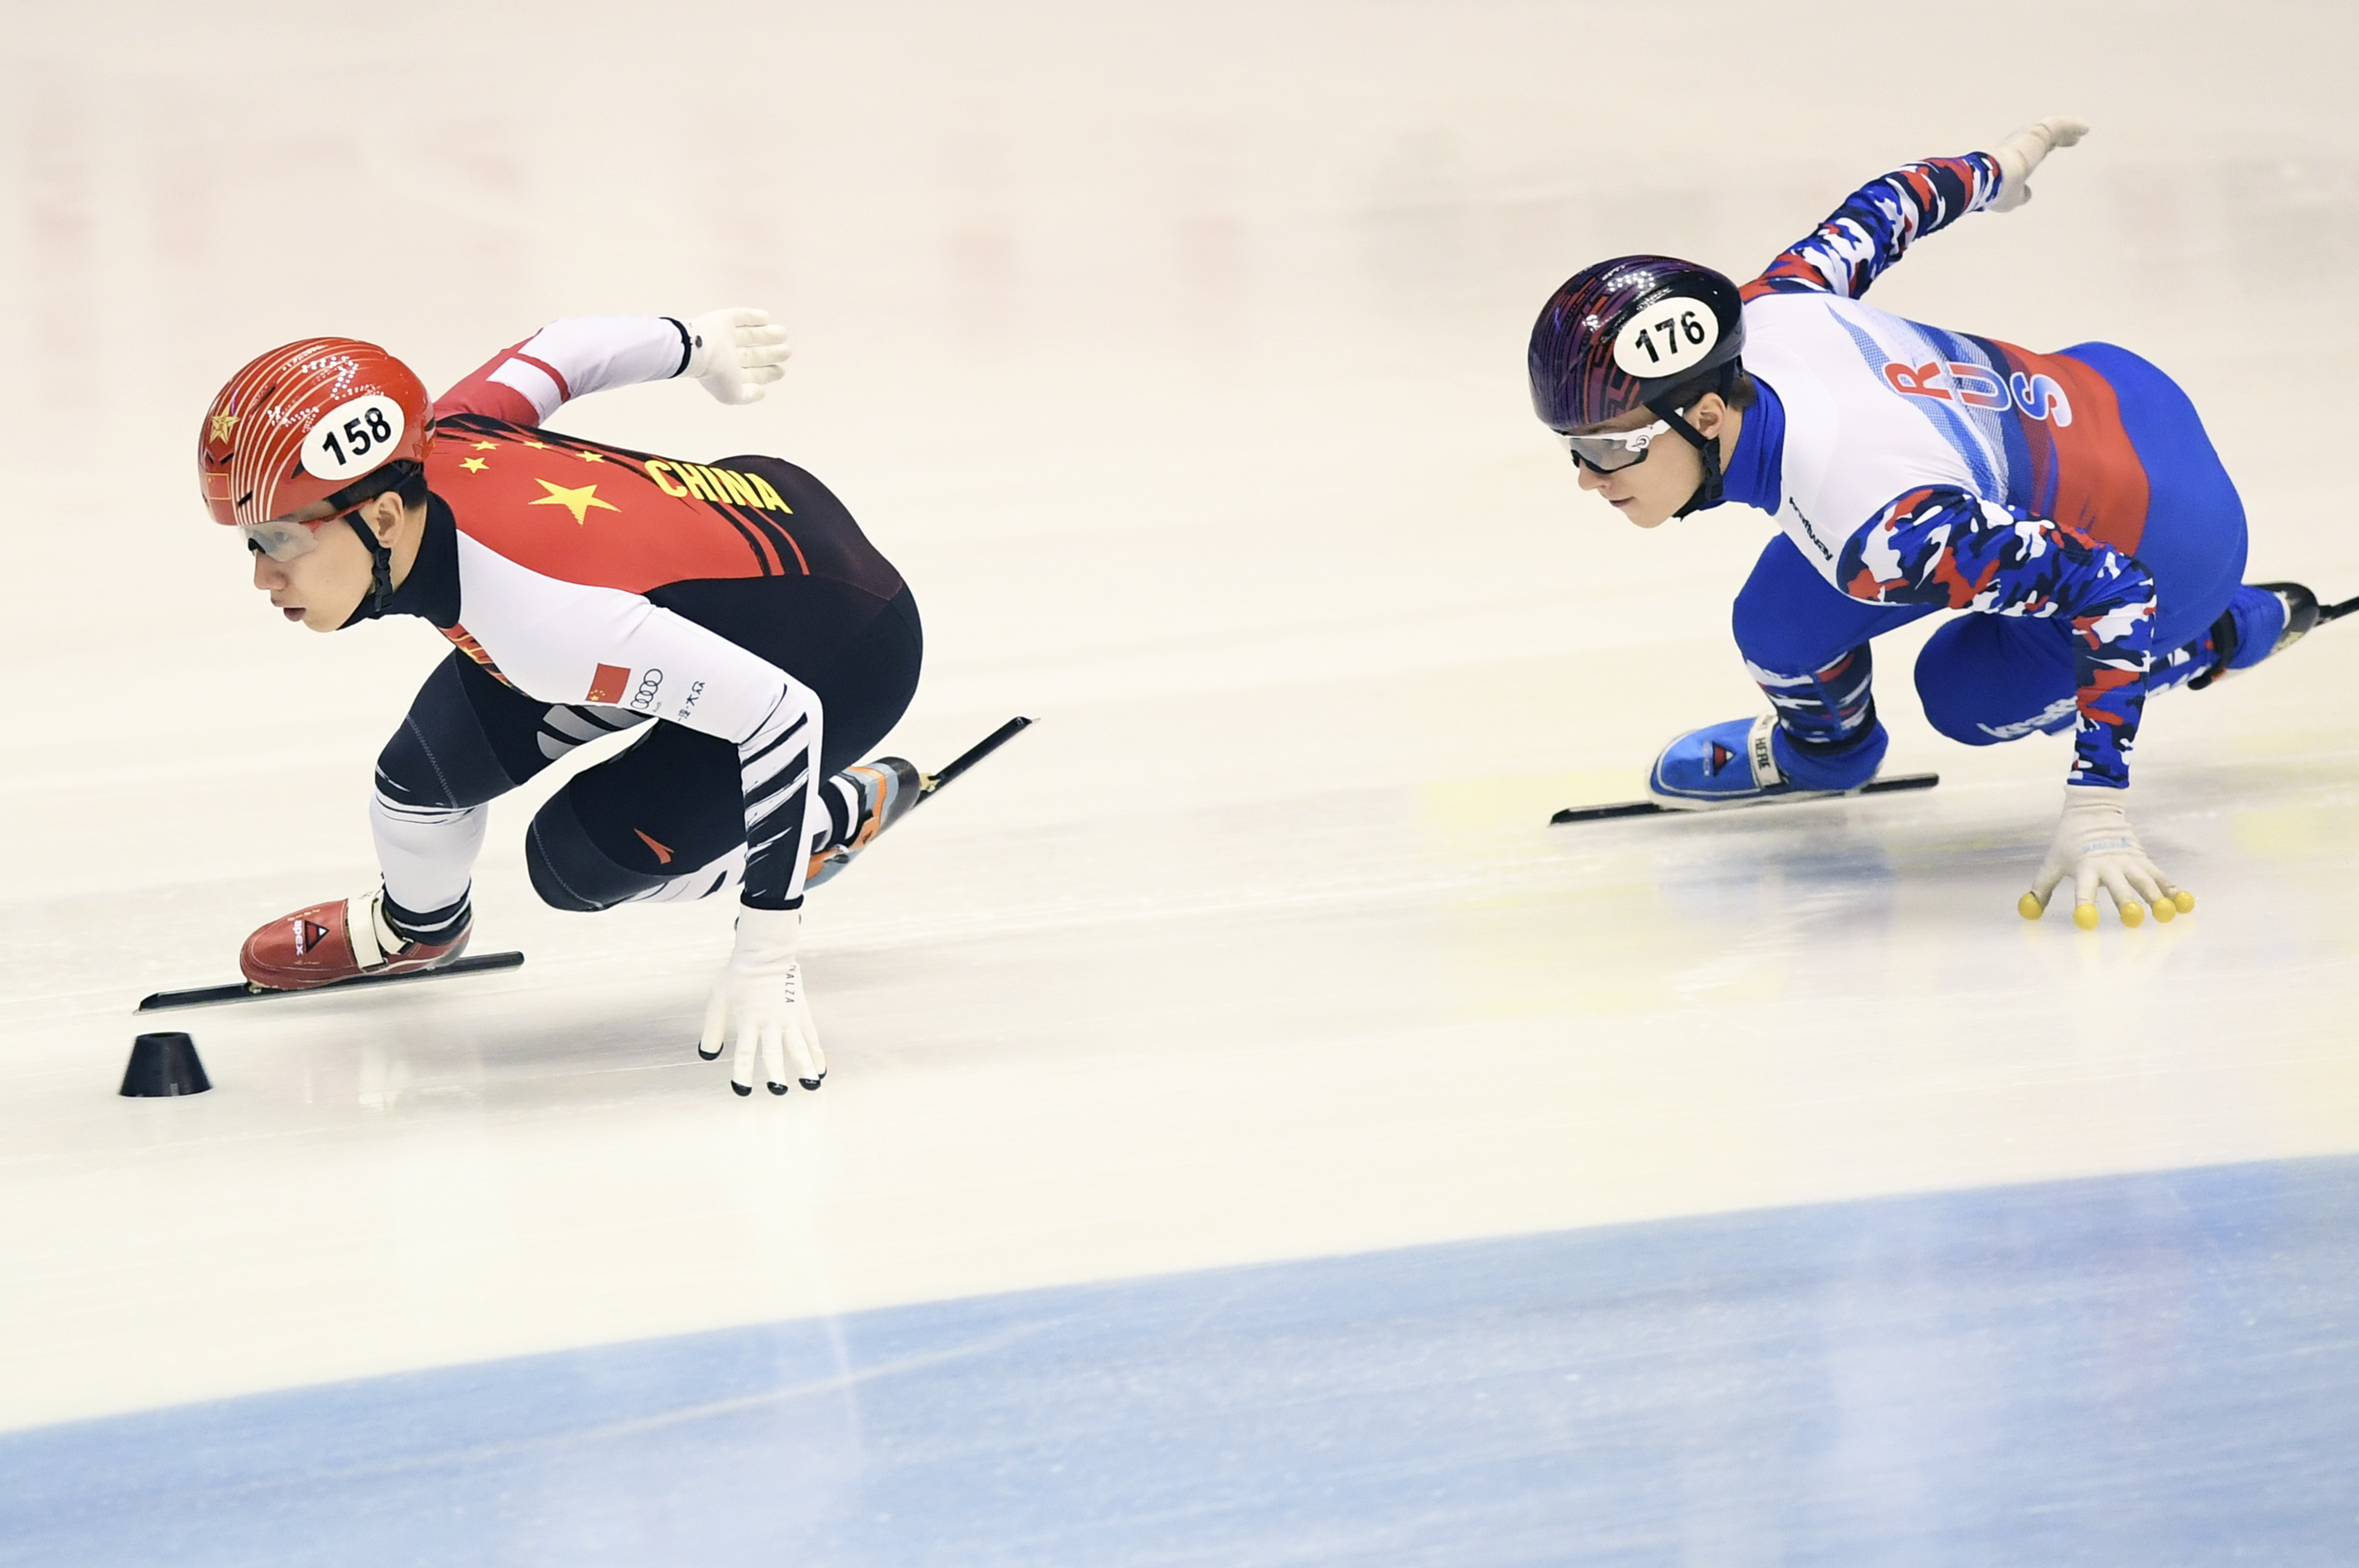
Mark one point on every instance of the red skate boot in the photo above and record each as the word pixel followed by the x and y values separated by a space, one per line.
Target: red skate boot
pixel 323 945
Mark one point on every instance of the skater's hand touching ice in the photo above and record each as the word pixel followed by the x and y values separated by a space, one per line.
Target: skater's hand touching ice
pixel 759 1000
pixel 735 353
pixel 2020 154
pixel 2095 848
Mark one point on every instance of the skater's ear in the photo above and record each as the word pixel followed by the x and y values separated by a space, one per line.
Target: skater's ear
pixel 383 514
pixel 1709 415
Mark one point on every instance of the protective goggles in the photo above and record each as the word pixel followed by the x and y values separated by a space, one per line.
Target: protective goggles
pixel 282 540
pixel 1604 452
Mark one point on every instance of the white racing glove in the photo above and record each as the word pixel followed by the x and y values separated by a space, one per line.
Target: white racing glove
pixel 2095 848
pixel 759 999
pixel 2020 154
pixel 735 353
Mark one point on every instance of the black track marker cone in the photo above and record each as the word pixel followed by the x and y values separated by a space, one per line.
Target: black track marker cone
pixel 164 1065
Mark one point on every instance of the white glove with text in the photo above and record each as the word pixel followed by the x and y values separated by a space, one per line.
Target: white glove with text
pixel 735 353
pixel 2095 846
pixel 759 1000
pixel 2020 154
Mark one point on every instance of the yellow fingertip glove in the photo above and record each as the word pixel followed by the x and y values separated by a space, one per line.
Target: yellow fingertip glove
pixel 2085 915
pixel 2165 911
pixel 2185 901
pixel 2029 907
pixel 2133 915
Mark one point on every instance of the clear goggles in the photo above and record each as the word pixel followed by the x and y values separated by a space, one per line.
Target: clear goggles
pixel 1605 451
pixel 283 539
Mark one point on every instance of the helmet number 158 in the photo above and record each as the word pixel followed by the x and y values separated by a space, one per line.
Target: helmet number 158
pixel 360 434
pixel 354 438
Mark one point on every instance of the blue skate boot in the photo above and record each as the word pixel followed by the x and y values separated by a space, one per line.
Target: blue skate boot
pixel 2265 618
pixel 1750 762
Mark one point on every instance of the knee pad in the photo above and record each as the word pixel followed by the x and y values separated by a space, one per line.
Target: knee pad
pixel 570 871
pixel 1769 636
pixel 1985 679
pixel 439 759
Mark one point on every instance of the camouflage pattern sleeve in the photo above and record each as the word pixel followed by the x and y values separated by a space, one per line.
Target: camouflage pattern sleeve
pixel 1876 224
pixel 1944 548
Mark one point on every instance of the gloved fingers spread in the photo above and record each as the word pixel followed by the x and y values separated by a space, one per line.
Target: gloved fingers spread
pixel 716 1026
pixel 2126 901
pixel 741 1064
pixel 2052 871
pixel 802 1049
pixel 773 1057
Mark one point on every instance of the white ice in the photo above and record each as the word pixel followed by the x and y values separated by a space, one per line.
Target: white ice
pixel 1175 354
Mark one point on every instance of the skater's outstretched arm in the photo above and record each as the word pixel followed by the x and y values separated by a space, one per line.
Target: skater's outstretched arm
pixel 735 352
pixel 1944 548
pixel 1877 222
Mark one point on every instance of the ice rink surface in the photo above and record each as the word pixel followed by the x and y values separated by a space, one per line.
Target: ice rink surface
pixel 1254 1135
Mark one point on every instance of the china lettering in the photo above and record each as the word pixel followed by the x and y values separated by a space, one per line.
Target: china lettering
pixel 694 692
pixel 2037 395
pixel 723 487
pixel 644 699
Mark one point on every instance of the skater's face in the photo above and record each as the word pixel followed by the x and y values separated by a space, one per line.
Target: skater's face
pixel 1649 491
pixel 324 586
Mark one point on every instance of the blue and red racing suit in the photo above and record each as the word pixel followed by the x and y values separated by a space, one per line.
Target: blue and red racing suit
pixel 2071 498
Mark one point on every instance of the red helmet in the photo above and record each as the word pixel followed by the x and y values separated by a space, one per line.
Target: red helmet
pixel 303 422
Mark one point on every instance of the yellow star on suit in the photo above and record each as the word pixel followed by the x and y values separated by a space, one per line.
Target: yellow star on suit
pixel 578 501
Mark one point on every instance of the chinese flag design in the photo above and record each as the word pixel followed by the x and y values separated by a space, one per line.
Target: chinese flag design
pixel 607 686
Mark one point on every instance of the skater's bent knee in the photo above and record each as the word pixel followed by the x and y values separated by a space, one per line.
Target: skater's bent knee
pixel 567 870
pixel 550 880
pixel 1985 679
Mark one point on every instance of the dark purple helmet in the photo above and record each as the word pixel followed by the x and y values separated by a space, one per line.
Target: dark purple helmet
pixel 1622 334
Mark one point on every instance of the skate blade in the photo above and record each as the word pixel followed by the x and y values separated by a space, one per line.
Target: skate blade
pixel 206 996
pixel 1657 808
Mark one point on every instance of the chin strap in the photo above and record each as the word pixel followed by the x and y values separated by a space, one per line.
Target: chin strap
pixel 1709 492
pixel 380 575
